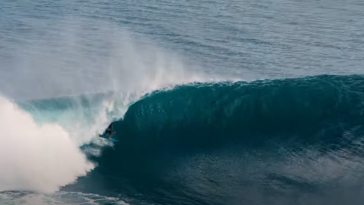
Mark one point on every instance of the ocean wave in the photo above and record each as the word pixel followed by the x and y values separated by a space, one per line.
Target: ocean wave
pixel 230 142
pixel 312 110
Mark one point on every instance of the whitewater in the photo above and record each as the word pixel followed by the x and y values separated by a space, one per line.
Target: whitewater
pixel 40 141
pixel 239 102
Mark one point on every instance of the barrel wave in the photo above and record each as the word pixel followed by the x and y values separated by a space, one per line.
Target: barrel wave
pixel 284 141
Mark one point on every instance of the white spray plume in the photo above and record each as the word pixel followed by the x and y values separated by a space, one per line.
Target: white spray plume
pixel 36 158
pixel 74 57
pixel 71 58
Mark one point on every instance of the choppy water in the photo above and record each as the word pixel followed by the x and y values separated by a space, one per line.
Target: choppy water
pixel 248 102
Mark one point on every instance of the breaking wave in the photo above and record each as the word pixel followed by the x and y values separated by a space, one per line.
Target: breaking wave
pixel 271 141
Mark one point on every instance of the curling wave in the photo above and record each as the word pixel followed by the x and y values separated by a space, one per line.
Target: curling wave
pixel 272 141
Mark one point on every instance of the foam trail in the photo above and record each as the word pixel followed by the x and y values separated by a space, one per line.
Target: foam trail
pixel 36 158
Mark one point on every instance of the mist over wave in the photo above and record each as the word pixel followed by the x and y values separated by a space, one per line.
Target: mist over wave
pixel 68 89
pixel 76 57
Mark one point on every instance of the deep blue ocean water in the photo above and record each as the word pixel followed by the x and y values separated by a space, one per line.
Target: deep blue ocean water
pixel 214 102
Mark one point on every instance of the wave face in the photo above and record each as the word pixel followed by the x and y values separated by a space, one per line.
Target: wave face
pixel 289 141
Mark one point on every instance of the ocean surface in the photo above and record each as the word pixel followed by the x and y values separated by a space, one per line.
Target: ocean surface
pixel 213 102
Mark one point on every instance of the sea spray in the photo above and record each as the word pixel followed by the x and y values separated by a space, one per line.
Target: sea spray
pixel 36 158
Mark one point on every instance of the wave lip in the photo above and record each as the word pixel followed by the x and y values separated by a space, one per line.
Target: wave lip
pixel 203 113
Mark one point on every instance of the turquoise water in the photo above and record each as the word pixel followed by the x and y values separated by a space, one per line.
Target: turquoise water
pixel 237 102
